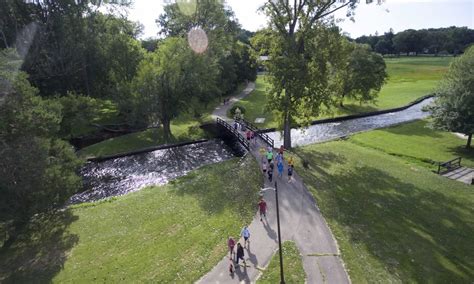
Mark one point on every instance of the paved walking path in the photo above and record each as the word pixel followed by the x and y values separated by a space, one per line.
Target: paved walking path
pixel 301 221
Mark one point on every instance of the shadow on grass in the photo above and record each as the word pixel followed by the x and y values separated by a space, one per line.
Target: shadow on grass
pixel 417 234
pixel 462 151
pixel 221 186
pixel 40 251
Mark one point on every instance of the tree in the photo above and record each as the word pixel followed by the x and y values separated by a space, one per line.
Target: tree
pixel 300 57
pixel 363 75
pixel 37 170
pixel 170 78
pixel 454 105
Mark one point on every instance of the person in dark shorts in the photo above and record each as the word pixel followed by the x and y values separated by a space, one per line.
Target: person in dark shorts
pixel 262 206
pixel 245 234
pixel 290 173
pixel 230 245
pixel 240 253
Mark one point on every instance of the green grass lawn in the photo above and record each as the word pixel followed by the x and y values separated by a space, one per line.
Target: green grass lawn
pixel 168 234
pixel 182 131
pixel 415 142
pixel 293 266
pixel 184 128
pixel 395 221
pixel 409 78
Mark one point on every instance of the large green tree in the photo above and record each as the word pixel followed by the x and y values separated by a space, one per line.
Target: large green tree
pixel 169 79
pixel 454 105
pixel 300 57
pixel 363 73
pixel 37 170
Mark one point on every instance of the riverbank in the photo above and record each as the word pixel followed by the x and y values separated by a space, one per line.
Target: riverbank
pixel 409 79
pixel 172 233
pixel 394 219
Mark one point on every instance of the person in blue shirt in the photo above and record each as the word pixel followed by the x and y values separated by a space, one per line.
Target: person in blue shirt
pixel 245 233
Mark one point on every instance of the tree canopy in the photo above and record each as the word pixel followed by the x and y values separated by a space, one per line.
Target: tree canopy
pixel 454 105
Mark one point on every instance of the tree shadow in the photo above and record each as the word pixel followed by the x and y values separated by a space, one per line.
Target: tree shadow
pixel 418 234
pixel 40 251
pixel 224 185
pixel 462 151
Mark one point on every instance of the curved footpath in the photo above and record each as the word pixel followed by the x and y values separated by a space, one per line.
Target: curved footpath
pixel 300 220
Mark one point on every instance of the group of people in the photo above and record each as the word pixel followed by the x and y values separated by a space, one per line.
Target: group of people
pixel 238 254
pixel 271 161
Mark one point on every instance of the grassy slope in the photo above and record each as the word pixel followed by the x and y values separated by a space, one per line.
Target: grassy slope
pixel 417 143
pixel 293 266
pixel 184 128
pixel 395 221
pixel 174 233
pixel 409 79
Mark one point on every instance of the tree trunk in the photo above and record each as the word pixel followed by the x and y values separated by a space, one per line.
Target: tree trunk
pixel 469 139
pixel 166 129
pixel 287 132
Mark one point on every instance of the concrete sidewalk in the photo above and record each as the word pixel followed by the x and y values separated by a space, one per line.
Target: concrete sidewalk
pixel 301 222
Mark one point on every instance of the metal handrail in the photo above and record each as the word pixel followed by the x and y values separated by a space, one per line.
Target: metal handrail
pixel 448 164
pixel 239 136
pixel 264 136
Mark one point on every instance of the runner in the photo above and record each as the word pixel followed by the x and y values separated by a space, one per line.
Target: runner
pixel 269 156
pixel 246 235
pixel 291 162
pixel 280 169
pixel 270 171
pixel 290 173
pixel 240 253
pixel 264 168
pixel 262 205
pixel 230 245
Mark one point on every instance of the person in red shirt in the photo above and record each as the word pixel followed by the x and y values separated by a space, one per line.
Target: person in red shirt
pixel 262 205
pixel 231 244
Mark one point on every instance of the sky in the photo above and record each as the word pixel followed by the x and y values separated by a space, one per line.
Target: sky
pixel 369 19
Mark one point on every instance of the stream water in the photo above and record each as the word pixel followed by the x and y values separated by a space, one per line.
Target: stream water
pixel 329 131
pixel 123 175
pixel 127 174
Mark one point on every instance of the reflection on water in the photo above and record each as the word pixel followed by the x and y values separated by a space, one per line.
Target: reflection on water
pixel 329 131
pixel 127 174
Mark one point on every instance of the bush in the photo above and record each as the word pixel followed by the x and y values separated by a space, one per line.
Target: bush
pixel 233 108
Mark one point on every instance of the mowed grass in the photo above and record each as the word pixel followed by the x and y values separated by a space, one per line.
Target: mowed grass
pixel 416 142
pixel 185 128
pixel 168 234
pixel 182 131
pixel 292 266
pixel 394 221
pixel 409 79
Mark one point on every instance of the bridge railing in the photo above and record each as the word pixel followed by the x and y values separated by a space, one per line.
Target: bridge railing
pixel 449 165
pixel 257 131
pixel 234 131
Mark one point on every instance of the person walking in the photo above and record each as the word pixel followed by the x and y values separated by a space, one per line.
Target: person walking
pixel 291 162
pixel 245 233
pixel 280 169
pixel 270 174
pixel 290 173
pixel 230 245
pixel 264 168
pixel 240 253
pixel 269 156
pixel 262 206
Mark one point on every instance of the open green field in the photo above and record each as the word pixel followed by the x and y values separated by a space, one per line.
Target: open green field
pixel 409 78
pixel 169 234
pixel 417 143
pixel 293 266
pixel 394 219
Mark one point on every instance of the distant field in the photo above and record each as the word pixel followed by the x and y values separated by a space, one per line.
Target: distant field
pixel 409 78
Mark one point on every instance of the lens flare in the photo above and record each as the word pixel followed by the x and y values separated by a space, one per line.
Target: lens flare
pixel 197 40
pixel 187 7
